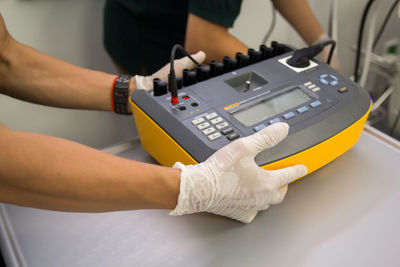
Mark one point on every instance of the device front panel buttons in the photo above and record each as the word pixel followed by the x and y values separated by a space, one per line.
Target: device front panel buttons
pixel 197 121
pixel 208 131
pixel 211 116
pixel 203 125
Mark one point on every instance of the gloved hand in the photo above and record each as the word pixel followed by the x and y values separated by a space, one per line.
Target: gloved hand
pixel 146 82
pixel 231 184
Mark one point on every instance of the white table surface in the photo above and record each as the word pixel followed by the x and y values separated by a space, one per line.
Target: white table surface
pixel 345 214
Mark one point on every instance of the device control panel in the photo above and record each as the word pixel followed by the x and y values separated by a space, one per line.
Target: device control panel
pixel 222 102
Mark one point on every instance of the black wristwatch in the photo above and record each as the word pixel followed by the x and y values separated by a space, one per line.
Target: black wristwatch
pixel 121 94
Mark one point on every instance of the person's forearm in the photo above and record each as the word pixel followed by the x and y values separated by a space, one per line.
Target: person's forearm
pixel 299 14
pixel 30 75
pixel 213 39
pixel 51 173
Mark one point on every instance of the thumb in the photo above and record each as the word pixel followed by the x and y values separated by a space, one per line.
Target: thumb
pixel 187 63
pixel 266 138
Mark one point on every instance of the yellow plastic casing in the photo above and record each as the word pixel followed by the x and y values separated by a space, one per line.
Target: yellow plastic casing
pixel 167 151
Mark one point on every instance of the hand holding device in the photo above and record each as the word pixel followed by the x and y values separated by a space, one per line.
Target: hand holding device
pixel 231 184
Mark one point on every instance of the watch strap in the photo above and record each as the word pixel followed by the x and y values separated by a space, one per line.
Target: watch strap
pixel 120 94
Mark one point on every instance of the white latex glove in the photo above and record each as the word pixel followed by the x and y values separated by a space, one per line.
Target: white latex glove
pixel 146 82
pixel 231 184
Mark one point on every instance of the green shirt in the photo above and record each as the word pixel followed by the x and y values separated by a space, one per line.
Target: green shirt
pixel 140 33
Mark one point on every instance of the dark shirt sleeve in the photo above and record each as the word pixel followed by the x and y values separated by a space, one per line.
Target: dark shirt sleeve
pixel 222 12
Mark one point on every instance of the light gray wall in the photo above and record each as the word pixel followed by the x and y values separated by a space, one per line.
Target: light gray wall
pixel 254 21
pixel 72 30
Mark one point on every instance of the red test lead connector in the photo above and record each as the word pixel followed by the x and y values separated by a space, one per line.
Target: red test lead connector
pixel 174 100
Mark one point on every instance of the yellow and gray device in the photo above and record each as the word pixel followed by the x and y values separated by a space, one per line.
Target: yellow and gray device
pixel 326 112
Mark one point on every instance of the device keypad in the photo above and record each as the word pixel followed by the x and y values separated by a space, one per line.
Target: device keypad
pixel 213 126
pixel 211 116
pixel 233 136
pixel 222 125
pixel 214 136
pixel 216 120
pixel 198 121
pixel 227 131
pixel 208 131
pixel 203 126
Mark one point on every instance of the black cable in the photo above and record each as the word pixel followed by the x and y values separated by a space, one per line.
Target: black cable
pixel 333 45
pixel 388 15
pixel 172 77
pixel 173 52
pixel 360 37
pixel 2 263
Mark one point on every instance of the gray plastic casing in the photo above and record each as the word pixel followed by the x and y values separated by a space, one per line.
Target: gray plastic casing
pixel 337 111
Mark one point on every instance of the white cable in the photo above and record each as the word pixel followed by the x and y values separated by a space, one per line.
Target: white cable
pixel 382 99
pixel 272 25
pixel 370 41
pixel 333 23
pixel 398 12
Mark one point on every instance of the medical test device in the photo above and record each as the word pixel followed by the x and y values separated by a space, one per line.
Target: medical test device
pixel 235 98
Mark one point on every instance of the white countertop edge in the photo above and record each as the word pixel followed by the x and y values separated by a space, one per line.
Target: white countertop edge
pixel 10 250
pixel 382 137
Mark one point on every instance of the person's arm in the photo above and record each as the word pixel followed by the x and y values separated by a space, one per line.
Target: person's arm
pixel 299 14
pixel 217 42
pixel 213 39
pixel 52 173
pixel 30 75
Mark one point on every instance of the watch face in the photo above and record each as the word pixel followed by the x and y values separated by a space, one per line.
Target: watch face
pixel 123 80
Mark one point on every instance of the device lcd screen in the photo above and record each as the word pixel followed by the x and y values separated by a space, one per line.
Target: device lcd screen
pixel 270 107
